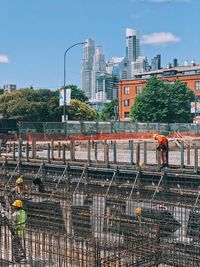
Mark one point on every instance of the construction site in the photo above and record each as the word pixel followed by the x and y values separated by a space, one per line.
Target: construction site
pixel 103 198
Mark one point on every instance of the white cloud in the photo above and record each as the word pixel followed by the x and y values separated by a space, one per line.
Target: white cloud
pixel 169 1
pixel 4 59
pixel 160 38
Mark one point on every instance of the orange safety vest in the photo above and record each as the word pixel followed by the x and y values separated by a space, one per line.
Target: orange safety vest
pixel 162 140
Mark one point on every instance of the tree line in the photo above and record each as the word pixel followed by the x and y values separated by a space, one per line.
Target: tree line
pixel 159 101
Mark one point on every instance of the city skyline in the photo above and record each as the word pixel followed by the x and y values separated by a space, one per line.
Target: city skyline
pixel 35 35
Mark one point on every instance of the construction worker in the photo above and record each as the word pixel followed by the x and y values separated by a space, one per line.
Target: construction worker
pixel 38 182
pixel 16 224
pixel 138 213
pixel 19 191
pixel 163 146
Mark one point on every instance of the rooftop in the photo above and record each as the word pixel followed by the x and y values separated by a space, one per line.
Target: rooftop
pixel 170 71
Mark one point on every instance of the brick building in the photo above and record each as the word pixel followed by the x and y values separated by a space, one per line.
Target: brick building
pixel 129 89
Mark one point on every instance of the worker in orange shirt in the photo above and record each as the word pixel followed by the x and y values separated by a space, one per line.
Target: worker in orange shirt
pixel 163 146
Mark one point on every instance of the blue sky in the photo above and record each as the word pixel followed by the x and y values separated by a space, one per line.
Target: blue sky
pixel 34 35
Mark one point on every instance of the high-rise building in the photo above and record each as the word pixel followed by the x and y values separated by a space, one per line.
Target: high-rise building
pixel 99 69
pixel 132 46
pixel 156 63
pixel 118 67
pixel 175 62
pixel 139 66
pixel 107 87
pixel 87 67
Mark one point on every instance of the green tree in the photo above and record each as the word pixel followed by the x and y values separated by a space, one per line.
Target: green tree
pixel 40 105
pixel 77 93
pixel 28 111
pixel 80 111
pixel 162 102
pixel 31 105
pixel 109 111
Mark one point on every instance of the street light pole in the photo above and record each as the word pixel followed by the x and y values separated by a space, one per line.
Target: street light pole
pixel 64 85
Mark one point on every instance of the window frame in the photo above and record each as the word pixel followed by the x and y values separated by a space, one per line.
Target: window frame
pixel 126 113
pixel 126 90
pixel 197 85
pixel 126 101
pixel 138 89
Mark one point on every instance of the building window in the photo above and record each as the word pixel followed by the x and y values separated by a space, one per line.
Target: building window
pixel 126 114
pixel 138 89
pixel 197 85
pixel 126 102
pixel 126 90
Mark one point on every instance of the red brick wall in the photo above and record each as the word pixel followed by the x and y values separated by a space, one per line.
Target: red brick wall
pixel 188 79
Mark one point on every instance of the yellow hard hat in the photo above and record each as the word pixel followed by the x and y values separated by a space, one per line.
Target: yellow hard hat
pixel 19 180
pixel 138 211
pixel 17 203
pixel 141 164
pixel 154 136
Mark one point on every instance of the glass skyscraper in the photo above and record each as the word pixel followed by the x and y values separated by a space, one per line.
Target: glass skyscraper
pixel 87 67
pixel 132 46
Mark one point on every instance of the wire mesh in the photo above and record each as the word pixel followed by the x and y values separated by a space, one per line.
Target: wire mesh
pixel 87 217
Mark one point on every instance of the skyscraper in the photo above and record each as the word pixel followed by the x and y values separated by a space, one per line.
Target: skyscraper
pixel 139 66
pixel 87 67
pixel 156 62
pixel 99 69
pixel 132 46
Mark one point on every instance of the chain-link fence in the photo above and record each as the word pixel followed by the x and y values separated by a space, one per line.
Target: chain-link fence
pixel 104 127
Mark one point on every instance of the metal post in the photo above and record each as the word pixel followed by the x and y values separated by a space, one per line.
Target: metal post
pixel 137 155
pixel 52 149
pixel 33 149
pixel 182 155
pixel 132 151
pixel 89 154
pixel 114 152
pixel 72 150
pixel 145 152
pixel 27 151
pixel 14 155
pixel 59 150
pixel 95 151
pixel 48 153
pixel 195 158
pixel 64 153
pixel 64 85
pixel 188 155
pixel 20 150
pixel 159 155
pixel 106 153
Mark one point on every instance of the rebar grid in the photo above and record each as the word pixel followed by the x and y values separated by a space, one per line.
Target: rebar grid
pixel 86 217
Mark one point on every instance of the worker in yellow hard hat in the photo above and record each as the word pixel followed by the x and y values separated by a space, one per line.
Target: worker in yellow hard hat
pixel 19 191
pixel 163 146
pixel 138 213
pixel 19 180
pixel 17 223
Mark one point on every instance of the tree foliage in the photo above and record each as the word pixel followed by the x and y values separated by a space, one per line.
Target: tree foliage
pixel 109 111
pixel 36 105
pixel 77 93
pixel 31 105
pixel 80 111
pixel 163 102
